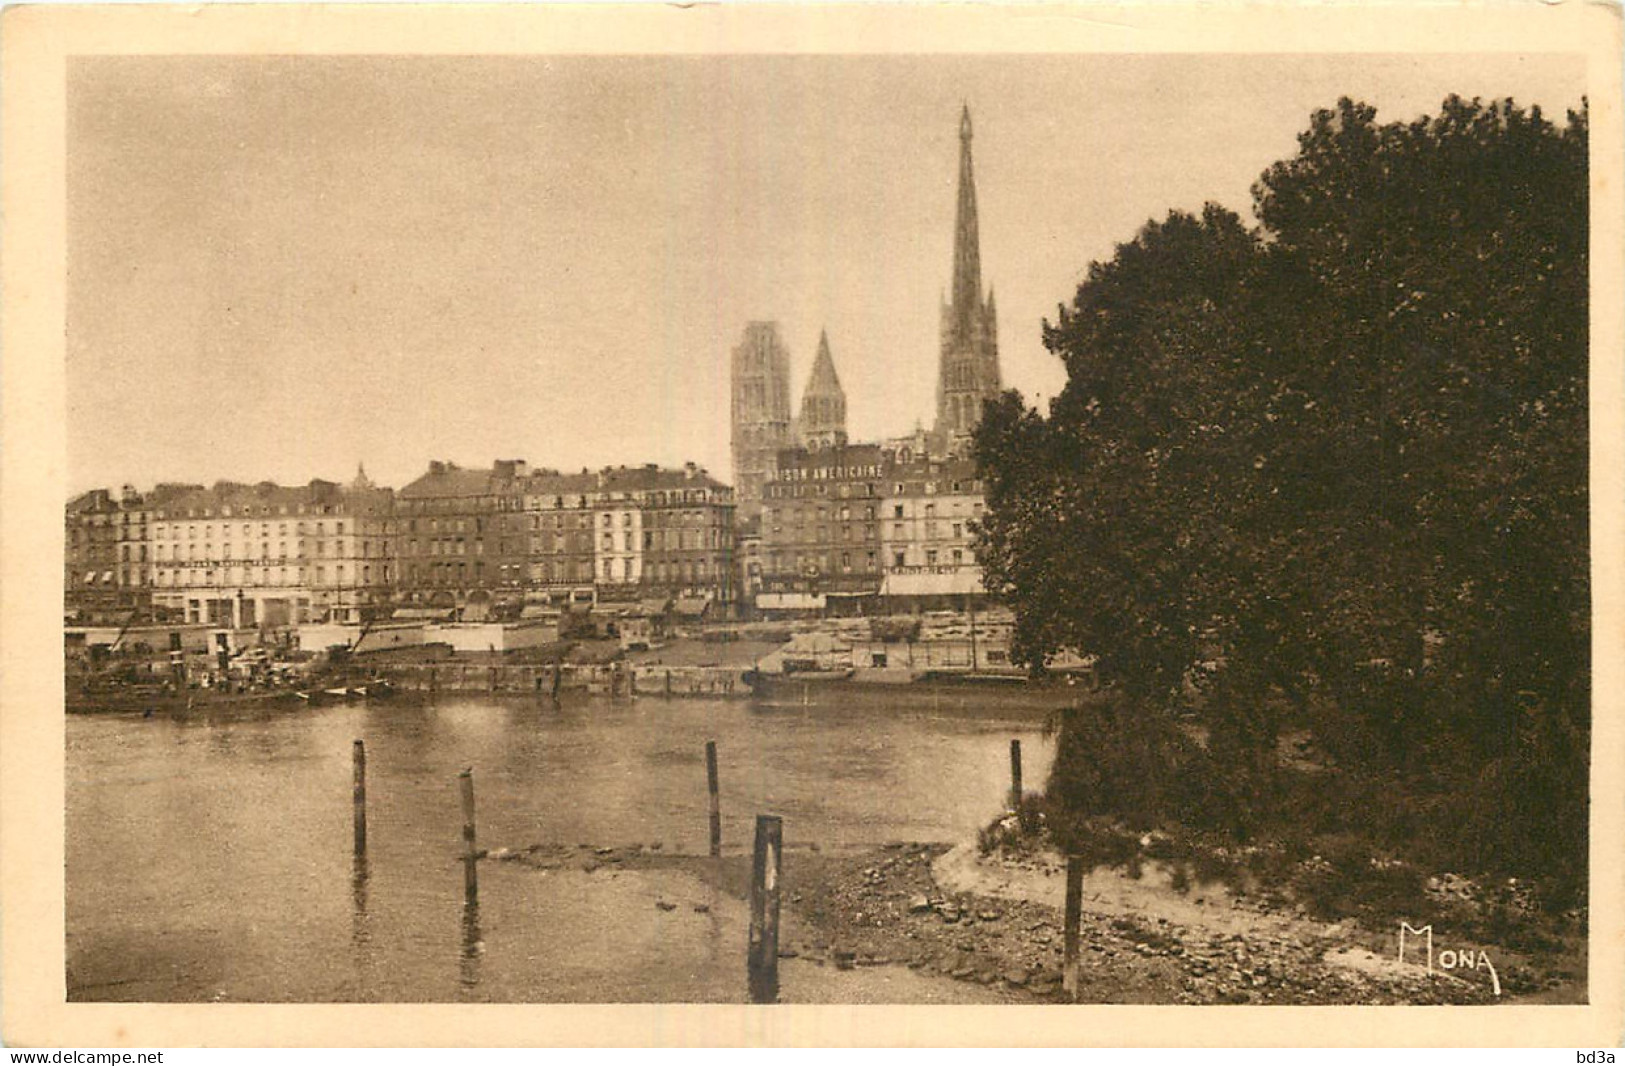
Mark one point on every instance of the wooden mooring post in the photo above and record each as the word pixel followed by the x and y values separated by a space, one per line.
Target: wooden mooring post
pixel 763 957
pixel 359 796
pixel 471 882
pixel 716 803
pixel 1072 921
pixel 1015 775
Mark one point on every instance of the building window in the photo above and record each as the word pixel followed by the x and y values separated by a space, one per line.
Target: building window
pixel 897 560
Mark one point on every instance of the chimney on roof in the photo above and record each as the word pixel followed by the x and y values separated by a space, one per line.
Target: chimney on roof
pixel 436 466
pixel 689 470
pixel 128 495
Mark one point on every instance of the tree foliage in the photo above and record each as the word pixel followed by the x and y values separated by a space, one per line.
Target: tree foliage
pixel 1334 466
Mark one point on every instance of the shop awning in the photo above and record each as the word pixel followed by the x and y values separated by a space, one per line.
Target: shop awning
pixel 692 606
pixel 789 601
pixel 955 583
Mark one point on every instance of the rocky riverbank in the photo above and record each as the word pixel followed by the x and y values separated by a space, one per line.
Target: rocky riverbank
pixel 994 924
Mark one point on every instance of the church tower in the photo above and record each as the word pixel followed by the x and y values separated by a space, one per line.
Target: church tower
pixel 760 378
pixel 823 404
pixel 969 370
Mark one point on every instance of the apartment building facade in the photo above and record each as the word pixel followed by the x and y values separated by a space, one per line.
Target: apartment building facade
pixel 267 555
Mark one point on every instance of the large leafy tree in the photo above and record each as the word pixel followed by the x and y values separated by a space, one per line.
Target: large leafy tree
pixel 1336 462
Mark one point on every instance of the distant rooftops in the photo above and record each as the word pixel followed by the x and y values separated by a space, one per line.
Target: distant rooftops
pixel 447 479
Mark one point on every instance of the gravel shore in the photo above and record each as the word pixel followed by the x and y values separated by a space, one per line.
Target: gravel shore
pixel 988 929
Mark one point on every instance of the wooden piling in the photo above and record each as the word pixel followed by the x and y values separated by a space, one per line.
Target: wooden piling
pixel 763 958
pixel 471 884
pixel 359 796
pixel 1072 920
pixel 716 803
pixel 1015 775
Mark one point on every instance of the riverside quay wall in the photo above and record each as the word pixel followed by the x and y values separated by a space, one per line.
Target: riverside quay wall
pixel 614 679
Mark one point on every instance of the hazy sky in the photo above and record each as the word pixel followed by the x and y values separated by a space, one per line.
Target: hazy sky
pixel 280 267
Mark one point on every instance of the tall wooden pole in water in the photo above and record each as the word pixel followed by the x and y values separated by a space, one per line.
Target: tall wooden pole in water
pixel 471 884
pixel 763 957
pixel 1072 920
pixel 1015 775
pixel 716 804
pixel 359 797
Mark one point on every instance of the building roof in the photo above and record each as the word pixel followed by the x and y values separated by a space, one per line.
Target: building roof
pixel 449 480
pixel 445 480
pixel 653 478
pixel 231 499
pixel 94 500
pixel 845 455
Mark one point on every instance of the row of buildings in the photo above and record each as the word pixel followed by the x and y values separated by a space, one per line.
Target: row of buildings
pixel 814 521
pixel 500 538
pixel 847 523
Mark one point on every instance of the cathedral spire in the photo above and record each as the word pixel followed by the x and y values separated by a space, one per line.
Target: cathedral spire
pixel 967 250
pixel 824 381
pixel 968 375
pixel 823 403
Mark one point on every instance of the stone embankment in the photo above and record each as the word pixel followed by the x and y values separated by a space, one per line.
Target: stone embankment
pixel 612 679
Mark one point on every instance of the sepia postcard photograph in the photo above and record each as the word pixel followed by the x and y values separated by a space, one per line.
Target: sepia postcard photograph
pixel 678 522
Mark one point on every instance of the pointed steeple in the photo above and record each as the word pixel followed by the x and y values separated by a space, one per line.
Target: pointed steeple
pixel 967 242
pixel 361 482
pixel 823 381
pixel 968 374
pixel 823 403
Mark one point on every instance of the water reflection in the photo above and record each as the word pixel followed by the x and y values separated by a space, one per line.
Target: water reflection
pixel 360 925
pixel 360 876
pixel 468 969
pixel 239 850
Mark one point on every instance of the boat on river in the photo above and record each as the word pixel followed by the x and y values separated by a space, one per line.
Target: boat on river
pixel 942 688
pixel 144 699
pixel 150 699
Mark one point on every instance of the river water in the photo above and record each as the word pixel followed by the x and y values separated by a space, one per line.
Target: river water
pixel 210 857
